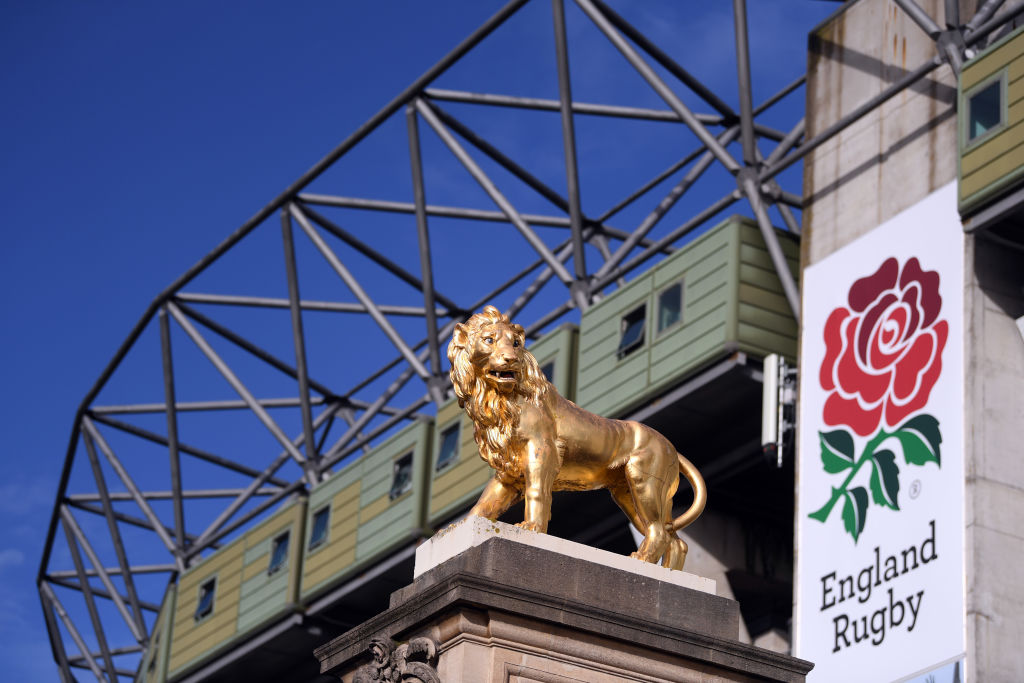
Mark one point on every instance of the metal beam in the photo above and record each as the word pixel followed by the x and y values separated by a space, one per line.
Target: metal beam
pixel 658 85
pixel 245 519
pixel 298 337
pixel 423 238
pixel 349 417
pixel 208 534
pixel 792 224
pixel 432 209
pixel 172 427
pixel 184 448
pixel 353 285
pixel 305 304
pixel 129 484
pixel 116 571
pixel 851 118
pixel 115 534
pixel 60 655
pixel 663 207
pixel 667 62
pixel 169 495
pixel 503 160
pixel 569 149
pixel 1009 14
pixel 243 343
pixel 984 13
pixel 50 597
pixel 642 258
pixel 792 137
pixel 496 196
pixel 58 580
pixel 381 429
pixel 329 457
pixel 90 603
pixel 192 406
pixel 785 90
pixel 542 104
pixel 739 9
pixel 121 517
pixel 374 255
pixel 771 241
pixel 74 531
pixel 236 384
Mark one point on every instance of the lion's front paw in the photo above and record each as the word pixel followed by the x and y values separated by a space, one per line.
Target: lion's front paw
pixel 529 526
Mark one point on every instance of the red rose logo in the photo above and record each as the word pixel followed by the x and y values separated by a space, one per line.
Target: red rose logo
pixel 883 353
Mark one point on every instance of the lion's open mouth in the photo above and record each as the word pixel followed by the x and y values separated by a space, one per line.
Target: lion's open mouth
pixel 502 374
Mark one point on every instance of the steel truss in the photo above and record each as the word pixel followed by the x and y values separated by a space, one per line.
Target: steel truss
pixel 86 556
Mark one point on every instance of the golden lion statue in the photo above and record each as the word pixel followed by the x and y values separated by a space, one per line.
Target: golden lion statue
pixel 538 442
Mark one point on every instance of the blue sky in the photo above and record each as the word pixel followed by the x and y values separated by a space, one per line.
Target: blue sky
pixel 136 136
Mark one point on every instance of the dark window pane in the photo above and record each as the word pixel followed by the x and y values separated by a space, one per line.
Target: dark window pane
pixel 986 110
pixel 670 306
pixel 319 534
pixel 449 446
pixel 401 479
pixel 204 605
pixel 632 332
pixel 278 553
pixel 548 370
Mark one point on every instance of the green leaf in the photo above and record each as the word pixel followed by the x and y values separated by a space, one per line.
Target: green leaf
pixel 836 450
pixel 885 479
pixel 920 438
pixel 855 510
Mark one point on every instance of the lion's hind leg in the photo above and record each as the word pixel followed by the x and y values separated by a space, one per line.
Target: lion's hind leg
pixel 652 501
pixel 675 556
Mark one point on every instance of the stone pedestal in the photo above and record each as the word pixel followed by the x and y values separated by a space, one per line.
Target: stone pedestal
pixel 498 604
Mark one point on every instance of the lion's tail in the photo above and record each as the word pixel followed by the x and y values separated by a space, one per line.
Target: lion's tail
pixel 700 494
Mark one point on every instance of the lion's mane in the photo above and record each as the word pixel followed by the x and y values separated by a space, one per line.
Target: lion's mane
pixel 495 416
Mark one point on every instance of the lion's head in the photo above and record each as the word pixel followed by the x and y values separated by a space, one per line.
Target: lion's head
pixel 492 371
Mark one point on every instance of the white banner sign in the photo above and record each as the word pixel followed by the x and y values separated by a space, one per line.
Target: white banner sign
pixel 880 503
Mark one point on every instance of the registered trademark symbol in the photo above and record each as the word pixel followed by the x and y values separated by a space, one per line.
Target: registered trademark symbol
pixel 915 488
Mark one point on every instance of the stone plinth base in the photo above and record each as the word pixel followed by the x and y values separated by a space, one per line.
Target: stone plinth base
pixel 504 610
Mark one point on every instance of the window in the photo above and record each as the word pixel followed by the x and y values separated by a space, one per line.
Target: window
pixel 318 536
pixel 985 110
pixel 548 370
pixel 278 553
pixel 670 306
pixel 204 606
pixel 401 478
pixel 632 332
pixel 449 447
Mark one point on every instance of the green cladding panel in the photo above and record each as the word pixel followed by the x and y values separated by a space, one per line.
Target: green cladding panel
pixel 556 352
pixel 716 295
pixel 246 595
pixel 367 511
pixel 391 513
pixel 456 482
pixel 990 112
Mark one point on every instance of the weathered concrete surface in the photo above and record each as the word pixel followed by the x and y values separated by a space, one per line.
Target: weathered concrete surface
pixel 505 611
pixel 892 157
pixel 994 464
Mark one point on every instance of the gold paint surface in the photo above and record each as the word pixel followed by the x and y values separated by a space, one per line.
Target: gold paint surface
pixel 539 442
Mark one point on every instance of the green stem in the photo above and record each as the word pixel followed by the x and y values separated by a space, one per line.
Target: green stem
pixel 869 450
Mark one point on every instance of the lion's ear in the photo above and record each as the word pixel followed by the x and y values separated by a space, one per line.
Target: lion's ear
pixel 460 339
